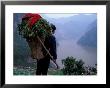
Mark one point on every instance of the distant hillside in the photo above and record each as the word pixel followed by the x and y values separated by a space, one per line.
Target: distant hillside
pixel 90 37
pixel 21 49
pixel 72 27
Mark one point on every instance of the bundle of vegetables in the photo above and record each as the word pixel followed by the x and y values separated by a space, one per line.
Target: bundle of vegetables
pixel 33 25
pixel 34 28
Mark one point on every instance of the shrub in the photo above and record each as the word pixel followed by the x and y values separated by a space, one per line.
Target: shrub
pixel 72 66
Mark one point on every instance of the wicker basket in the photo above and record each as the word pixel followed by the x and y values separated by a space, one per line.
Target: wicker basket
pixel 36 47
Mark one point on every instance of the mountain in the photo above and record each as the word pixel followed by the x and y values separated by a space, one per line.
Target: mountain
pixel 90 37
pixel 72 27
pixel 21 49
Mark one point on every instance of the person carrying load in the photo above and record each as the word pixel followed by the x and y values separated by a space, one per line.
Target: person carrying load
pixel 39 36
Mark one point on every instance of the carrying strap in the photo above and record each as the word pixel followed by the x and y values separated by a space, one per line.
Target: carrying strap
pixel 48 52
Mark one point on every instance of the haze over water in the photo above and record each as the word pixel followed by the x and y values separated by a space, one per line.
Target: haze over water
pixel 71 48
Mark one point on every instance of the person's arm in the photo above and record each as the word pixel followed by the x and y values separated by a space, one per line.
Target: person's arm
pixel 53 50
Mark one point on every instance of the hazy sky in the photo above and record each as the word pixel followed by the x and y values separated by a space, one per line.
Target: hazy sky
pixel 56 16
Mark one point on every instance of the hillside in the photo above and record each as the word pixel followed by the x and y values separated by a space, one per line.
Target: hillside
pixel 72 27
pixel 90 37
pixel 21 49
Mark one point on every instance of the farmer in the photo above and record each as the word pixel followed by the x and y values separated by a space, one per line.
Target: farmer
pixel 50 44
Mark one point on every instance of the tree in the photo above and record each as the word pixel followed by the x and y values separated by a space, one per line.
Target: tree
pixel 72 66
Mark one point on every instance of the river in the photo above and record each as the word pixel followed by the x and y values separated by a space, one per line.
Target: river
pixel 71 48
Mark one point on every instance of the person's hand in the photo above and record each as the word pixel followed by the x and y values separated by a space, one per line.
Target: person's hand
pixel 54 60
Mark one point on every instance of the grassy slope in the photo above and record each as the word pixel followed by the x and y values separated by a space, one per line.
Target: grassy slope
pixel 31 71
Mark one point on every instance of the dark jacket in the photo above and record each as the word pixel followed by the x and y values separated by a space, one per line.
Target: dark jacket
pixel 50 43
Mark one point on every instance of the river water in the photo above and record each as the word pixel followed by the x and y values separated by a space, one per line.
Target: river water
pixel 71 48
